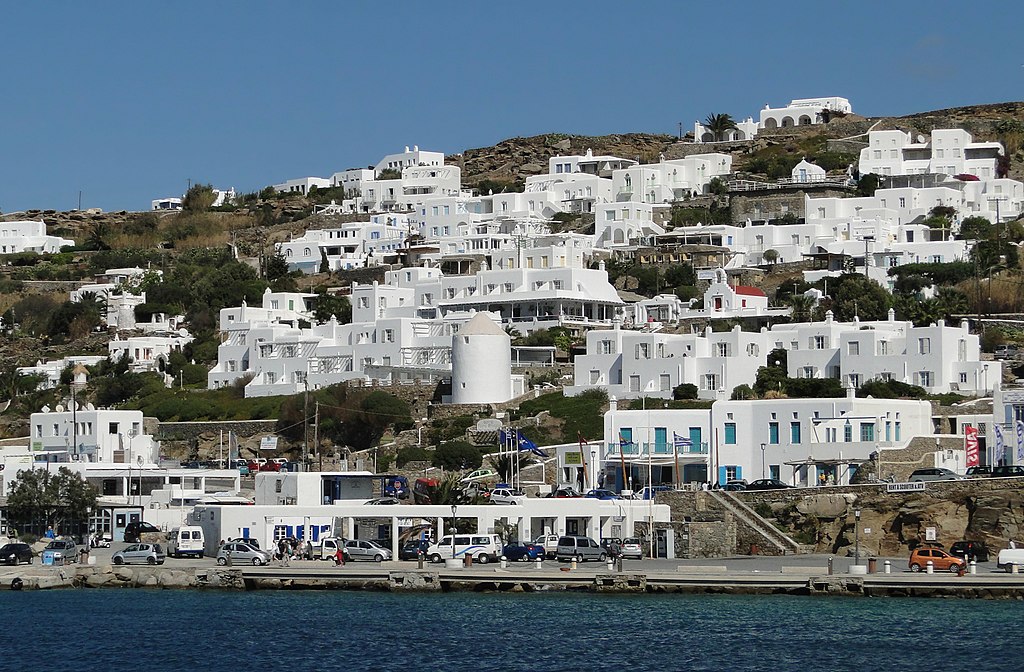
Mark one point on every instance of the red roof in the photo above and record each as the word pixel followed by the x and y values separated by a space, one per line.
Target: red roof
pixel 749 291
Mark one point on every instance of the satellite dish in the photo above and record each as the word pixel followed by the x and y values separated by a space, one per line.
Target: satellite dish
pixel 59 408
pixel 921 139
pixel 183 332
pixel 90 407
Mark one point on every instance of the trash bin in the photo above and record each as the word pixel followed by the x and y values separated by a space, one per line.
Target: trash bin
pixel 872 565
pixel 469 560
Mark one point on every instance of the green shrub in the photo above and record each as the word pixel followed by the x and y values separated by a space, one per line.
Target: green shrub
pixel 412 454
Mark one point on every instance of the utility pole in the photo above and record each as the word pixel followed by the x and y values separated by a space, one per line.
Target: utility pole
pixel 680 130
pixel 305 427
pixel 316 433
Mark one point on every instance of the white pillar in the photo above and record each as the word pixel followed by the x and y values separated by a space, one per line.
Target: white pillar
pixel 394 537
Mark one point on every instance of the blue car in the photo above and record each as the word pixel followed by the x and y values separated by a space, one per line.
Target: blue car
pixel 524 552
pixel 601 493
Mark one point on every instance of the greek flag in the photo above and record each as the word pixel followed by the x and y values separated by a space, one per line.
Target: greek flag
pixel 1000 446
pixel 680 441
pixel 1020 441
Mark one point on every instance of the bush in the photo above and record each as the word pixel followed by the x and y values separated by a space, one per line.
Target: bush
pixel 685 391
pixel 457 456
pixel 412 454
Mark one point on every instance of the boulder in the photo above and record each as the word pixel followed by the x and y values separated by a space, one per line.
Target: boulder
pixel 826 506
pixel 98 580
pixel 175 579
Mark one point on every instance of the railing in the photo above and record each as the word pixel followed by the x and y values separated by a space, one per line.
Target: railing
pixel 654 449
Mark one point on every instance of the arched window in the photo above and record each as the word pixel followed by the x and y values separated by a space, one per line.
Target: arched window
pixel 288 252
pixel 306 252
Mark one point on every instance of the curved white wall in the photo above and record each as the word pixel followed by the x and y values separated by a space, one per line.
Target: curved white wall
pixel 481 368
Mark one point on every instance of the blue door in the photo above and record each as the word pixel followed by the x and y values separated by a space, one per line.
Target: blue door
pixel 695 439
pixel 660 440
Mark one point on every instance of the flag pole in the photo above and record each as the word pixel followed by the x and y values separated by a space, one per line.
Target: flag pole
pixel 675 453
pixel 583 458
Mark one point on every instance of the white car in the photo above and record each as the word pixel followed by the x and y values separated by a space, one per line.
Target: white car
pixel 506 495
pixel 549 542
pixel 478 475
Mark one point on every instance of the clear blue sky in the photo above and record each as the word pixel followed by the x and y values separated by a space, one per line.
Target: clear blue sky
pixel 127 101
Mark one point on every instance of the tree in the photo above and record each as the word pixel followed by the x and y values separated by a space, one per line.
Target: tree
pixel 685 391
pixel 97 237
pixel 859 296
pixel 336 305
pixel 40 498
pixel 199 198
pixel 867 184
pixel 719 124
pixel 743 392
pixel 389 174
pixel 770 256
pixel 506 465
pixel 457 456
pixel 802 307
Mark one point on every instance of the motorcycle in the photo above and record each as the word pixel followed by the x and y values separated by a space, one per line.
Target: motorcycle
pixel 99 541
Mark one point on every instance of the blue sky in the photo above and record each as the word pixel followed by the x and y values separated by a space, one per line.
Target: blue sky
pixel 127 101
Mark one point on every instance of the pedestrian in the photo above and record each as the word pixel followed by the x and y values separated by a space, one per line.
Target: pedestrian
pixel 50 534
pixel 339 557
pixel 822 478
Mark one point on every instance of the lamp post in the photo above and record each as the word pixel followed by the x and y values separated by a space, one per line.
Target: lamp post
pixel 763 473
pixel 455 508
pixel 856 537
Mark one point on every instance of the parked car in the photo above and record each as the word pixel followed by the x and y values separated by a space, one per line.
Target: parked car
pixel 241 554
pixel 646 491
pixel 133 531
pixel 565 493
pixel 140 554
pixel 735 486
pixel 1011 557
pixel 241 465
pixel 939 558
pixel 934 474
pixel 411 550
pixel 61 551
pixel 247 540
pixel 525 551
pixel 1007 470
pixel 549 542
pixel 481 547
pixel 972 550
pixel 503 494
pixel 979 472
pixel 358 549
pixel 478 475
pixel 631 548
pixel 1005 352
pixel 768 484
pixel 580 549
pixel 382 501
pixel 601 493
pixel 15 553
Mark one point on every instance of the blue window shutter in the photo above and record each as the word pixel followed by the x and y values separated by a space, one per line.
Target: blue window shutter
pixel 721 476
pixel 739 472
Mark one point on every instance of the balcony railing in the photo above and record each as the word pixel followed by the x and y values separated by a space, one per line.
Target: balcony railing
pixel 654 450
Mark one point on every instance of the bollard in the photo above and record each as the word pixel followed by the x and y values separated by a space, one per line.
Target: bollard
pixel 611 564
pixel 929 567
pixel 504 562
pixel 888 567
pixel 620 564
pixel 537 564
pixel 572 565
pixel 1013 568
pixel 974 567
pixel 419 558
pixel 830 564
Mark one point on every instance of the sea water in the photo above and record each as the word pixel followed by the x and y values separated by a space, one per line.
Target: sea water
pixel 151 630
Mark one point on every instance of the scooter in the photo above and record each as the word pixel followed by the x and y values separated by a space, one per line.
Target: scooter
pixel 98 541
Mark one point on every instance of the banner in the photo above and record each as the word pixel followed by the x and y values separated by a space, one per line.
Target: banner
pixel 1020 441
pixel 971 445
pixel 1000 456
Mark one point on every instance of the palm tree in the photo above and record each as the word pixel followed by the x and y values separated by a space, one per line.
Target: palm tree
pixel 802 307
pixel 718 124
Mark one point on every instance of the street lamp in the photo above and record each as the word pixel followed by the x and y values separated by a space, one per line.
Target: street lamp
pixel 763 446
pixel 131 435
pixel 856 537
pixel 455 508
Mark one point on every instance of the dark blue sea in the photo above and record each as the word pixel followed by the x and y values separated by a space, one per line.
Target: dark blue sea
pixel 149 631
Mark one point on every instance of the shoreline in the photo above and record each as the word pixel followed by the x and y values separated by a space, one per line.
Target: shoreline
pixel 693 579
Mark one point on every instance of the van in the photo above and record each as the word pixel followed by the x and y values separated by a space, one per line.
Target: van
pixel 1011 557
pixel 481 547
pixel 580 548
pixel 329 548
pixel 185 540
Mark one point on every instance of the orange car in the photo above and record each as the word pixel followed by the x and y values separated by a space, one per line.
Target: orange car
pixel 939 558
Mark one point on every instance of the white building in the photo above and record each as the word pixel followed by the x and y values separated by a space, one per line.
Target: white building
pixel 351 245
pixel 951 151
pixel 120 290
pixel 409 159
pixel 148 353
pixel 482 364
pixel 51 370
pixel 352 179
pixel 721 301
pixel 302 185
pixel 89 434
pixel 170 203
pixel 29 236
pixel 416 185
pixel 794 440
pixel 805 172
pixel 802 112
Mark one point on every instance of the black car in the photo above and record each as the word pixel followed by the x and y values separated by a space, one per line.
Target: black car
pixel 972 550
pixel 411 550
pixel 735 486
pixel 134 529
pixel 980 471
pixel 613 545
pixel 1008 470
pixel 768 484
pixel 15 553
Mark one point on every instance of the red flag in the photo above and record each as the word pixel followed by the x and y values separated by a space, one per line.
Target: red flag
pixel 971 445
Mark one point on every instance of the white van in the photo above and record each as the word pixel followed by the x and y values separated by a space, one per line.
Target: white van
pixel 481 547
pixel 185 540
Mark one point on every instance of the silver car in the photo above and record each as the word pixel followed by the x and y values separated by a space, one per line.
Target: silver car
pixel 357 549
pixel 934 474
pixel 241 554
pixel 140 554
pixel 580 548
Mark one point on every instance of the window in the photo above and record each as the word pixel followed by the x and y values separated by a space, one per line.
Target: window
pixel 643 350
pixel 634 383
pixel 773 433
pixel 867 431
pixel 730 433
pixel 666 382
pixel 709 381
pixel 794 432
pixel 883 347
pixel 853 380
pixel 853 348
pixel 924 346
pixel 819 343
pixel 595 377
pixel 723 349
pixel 112 428
pixel 847 432
pixel 364 302
pixel 387 336
pixel 605 347
pixel 807 372
pixel 924 378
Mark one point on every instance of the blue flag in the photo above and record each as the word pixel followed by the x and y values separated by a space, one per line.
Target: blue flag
pixel 526 444
pixel 1000 446
pixel 1020 441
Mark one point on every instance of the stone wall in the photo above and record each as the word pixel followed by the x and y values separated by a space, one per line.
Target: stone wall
pixel 772 201
pixel 183 431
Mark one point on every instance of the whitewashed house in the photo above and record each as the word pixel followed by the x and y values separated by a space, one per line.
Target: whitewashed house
pixel 89 434
pixel 51 370
pixel 951 151
pixel 302 185
pixel 350 245
pixel 148 353
pixel 29 236
pixel 802 112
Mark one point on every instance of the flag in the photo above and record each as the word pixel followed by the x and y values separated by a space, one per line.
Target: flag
pixel 680 441
pixel 623 441
pixel 971 445
pixel 1020 441
pixel 526 444
pixel 1000 455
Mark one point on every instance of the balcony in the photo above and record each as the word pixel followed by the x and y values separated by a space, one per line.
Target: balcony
pixel 654 450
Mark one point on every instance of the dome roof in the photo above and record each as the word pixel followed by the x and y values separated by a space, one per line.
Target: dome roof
pixel 481 324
